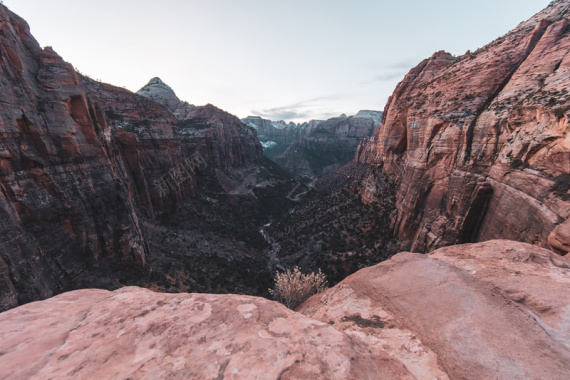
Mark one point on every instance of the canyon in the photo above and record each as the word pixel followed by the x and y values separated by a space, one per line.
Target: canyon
pixel 139 233
pixel 93 174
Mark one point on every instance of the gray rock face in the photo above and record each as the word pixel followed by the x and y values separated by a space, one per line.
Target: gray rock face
pixel 315 147
pixel 330 144
pixel 368 114
pixel 277 136
pixel 161 93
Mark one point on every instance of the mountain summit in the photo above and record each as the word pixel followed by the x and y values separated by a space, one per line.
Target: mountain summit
pixel 161 93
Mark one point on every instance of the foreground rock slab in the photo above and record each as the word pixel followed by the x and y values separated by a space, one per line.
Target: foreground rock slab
pixel 136 333
pixel 493 310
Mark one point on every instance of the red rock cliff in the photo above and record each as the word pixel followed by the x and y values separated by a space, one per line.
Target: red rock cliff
pixel 62 204
pixel 154 141
pixel 80 161
pixel 477 142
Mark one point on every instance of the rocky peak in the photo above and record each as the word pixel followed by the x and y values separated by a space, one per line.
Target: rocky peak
pixel 161 93
pixel 368 114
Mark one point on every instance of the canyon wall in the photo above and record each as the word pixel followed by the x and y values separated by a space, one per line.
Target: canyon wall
pixel 277 136
pixel 82 162
pixel 479 143
pixel 63 207
pixel 317 147
pixel 157 140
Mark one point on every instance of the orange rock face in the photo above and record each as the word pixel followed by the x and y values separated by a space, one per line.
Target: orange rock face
pixel 490 310
pixel 136 333
pixel 475 141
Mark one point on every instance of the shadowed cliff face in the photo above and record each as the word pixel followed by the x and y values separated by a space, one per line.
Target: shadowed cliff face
pixel 83 163
pixel 156 145
pixel 62 203
pixel 477 142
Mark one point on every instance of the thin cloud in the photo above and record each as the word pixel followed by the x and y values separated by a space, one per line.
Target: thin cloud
pixel 393 71
pixel 384 78
pixel 300 110
pixel 285 114
pixel 404 64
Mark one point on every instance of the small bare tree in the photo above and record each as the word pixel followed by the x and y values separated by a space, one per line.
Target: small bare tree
pixel 293 287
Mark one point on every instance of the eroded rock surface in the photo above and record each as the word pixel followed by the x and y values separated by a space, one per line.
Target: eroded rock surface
pixel 476 142
pixel 494 310
pixel 136 333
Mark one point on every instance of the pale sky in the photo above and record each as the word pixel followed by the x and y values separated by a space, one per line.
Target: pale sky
pixel 279 59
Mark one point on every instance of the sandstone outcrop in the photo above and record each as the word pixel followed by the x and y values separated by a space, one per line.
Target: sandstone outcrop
pixel 476 142
pixel 493 310
pixel 136 333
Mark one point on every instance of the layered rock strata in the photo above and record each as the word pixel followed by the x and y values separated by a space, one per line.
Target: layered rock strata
pixel 329 145
pixel 478 142
pixel 81 162
pixel 62 203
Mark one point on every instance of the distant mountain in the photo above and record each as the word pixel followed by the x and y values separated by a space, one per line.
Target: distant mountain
pixel 329 145
pixel 311 149
pixel 161 93
pixel 277 136
pixel 158 91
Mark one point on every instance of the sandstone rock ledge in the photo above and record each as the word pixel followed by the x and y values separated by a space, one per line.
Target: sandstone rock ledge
pixel 139 334
pixel 493 310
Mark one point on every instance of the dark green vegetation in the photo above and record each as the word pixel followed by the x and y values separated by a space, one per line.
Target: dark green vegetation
pixel 195 123
pixel 334 230
pixel 317 159
pixel 213 244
